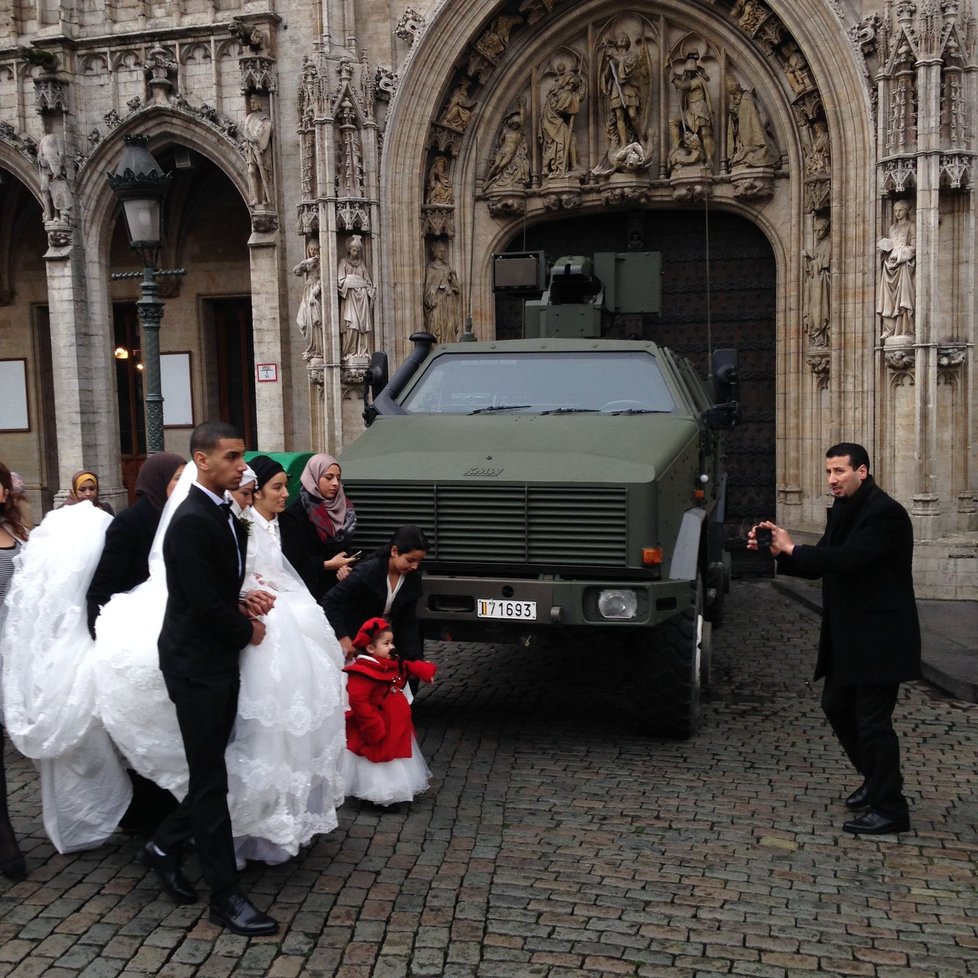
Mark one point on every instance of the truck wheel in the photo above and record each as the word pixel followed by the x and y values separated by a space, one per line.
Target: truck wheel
pixel 669 697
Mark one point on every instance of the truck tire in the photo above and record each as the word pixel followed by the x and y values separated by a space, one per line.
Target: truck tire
pixel 669 698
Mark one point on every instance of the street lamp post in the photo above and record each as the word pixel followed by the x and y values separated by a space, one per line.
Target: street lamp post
pixel 141 186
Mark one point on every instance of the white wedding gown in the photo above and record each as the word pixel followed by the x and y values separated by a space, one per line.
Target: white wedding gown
pixel 284 756
pixel 49 694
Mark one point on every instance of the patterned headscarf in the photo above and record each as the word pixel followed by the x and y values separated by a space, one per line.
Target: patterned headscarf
pixel 334 519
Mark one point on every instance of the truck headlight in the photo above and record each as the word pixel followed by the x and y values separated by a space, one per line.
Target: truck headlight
pixel 618 604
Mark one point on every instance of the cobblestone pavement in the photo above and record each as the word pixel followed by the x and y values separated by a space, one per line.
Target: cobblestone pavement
pixel 557 843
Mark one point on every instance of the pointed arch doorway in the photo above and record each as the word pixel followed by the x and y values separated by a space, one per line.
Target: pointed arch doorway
pixel 728 302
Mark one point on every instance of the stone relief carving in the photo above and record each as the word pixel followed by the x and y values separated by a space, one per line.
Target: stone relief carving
pixel 902 123
pixel 818 157
pixel 442 295
pixel 309 319
pixel 257 136
pixel 685 147
pixel 161 75
pixel 440 191
pixel 53 177
pixel 460 106
pixel 357 293
pixel 560 109
pixel 747 140
pixel 510 166
pixel 819 364
pixel 50 95
pixel 349 151
pixel 411 26
pixel 625 81
pixel 495 40
pixel 816 308
pixel 897 283
pixel 749 14
pixel 697 108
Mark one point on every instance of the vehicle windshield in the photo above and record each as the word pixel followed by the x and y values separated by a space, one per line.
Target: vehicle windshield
pixel 615 382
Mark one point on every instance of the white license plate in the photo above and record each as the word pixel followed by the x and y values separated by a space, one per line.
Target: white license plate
pixel 510 610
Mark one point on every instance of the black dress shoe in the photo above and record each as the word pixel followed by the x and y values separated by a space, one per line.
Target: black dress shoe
pixel 859 798
pixel 14 867
pixel 167 869
pixel 240 915
pixel 872 823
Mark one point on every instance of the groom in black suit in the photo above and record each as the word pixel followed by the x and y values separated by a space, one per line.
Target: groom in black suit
pixel 206 624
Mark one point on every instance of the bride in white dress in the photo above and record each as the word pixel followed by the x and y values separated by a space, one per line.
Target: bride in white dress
pixel 283 759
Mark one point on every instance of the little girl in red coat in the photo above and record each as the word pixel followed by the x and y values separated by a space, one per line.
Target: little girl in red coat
pixel 382 763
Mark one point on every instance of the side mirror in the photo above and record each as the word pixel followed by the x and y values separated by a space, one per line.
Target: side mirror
pixel 374 381
pixel 725 412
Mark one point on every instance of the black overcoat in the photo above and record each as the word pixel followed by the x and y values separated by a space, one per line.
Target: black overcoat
pixel 870 631
pixel 306 552
pixel 203 629
pixel 363 595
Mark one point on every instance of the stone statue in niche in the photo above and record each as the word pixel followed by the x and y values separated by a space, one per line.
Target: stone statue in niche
pixel 563 102
pixel 818 157
pixel 53 177
pixel 440 191
pixel 697 107
pixel 897 289
pixel 309 319
pixel 356 298
pixel 460 105
pixel 747 142
pixel 510 166
pixel 818 267
pixel 495 40
pixel 685 147
pixel 258 134
pixel 442 295
pixel 626 82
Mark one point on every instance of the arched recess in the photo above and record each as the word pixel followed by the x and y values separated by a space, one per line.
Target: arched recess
pixel 759 38
pixel 206 197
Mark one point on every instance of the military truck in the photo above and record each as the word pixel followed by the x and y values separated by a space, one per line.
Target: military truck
pixel 568 483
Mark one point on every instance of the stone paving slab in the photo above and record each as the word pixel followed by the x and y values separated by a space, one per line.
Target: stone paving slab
pixel 555 842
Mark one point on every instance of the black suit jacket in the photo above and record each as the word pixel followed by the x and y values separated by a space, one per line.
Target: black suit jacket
pixel 363 595
pixel 203 628
pixel 870 630
pixel 125 557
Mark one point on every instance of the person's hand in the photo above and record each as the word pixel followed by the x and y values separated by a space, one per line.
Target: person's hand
pixel 257 603
pixel 340 563
pixel 342 573
pixel 781 542
pixel 257 631
pixel 346 644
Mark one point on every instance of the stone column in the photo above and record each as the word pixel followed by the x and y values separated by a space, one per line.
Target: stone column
pixel 266 289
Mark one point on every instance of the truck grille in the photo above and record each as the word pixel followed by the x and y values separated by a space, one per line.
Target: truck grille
pixel 498 524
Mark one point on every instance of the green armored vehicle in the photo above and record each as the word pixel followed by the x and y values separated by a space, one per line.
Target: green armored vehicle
pixel 565 483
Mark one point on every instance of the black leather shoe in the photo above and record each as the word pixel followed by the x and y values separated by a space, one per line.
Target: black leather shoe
pixel 872 823
pixel 859 798
pixel 240 915
pixel 167 869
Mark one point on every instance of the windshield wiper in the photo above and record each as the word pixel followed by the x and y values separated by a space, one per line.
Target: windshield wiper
pixel 567 410
pixel 639 411
pixel 499 407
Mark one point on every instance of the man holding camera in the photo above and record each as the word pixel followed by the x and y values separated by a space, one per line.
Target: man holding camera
pixel 870 637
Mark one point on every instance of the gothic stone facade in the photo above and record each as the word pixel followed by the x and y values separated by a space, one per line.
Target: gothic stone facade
pixel 344 173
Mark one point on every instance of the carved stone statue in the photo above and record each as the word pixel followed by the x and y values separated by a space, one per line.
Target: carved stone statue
pixel 309 319
pixel 897 291
pixel 53 179
pixel 559 114
pixel 460 105
pixel 697 107
pixel 442 295
pixel 816 314
pixel 356 297
pixel 625 81
pixel 747 142
pixel 818 158
pixel 257 134
pixel 685 146
pixel 440 189
pixel 510 167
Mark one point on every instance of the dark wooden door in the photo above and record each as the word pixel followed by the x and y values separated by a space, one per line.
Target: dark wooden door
pixel 235 355
pixel 728 301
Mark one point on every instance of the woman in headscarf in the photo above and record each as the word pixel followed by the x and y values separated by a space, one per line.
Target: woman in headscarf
pixel 84 488
pixel 317 529
pixel 124 564
pixel 125 558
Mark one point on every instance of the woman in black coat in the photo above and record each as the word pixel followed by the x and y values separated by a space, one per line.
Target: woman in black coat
pixel 317 529
pixel 385 585
pixel 125 558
